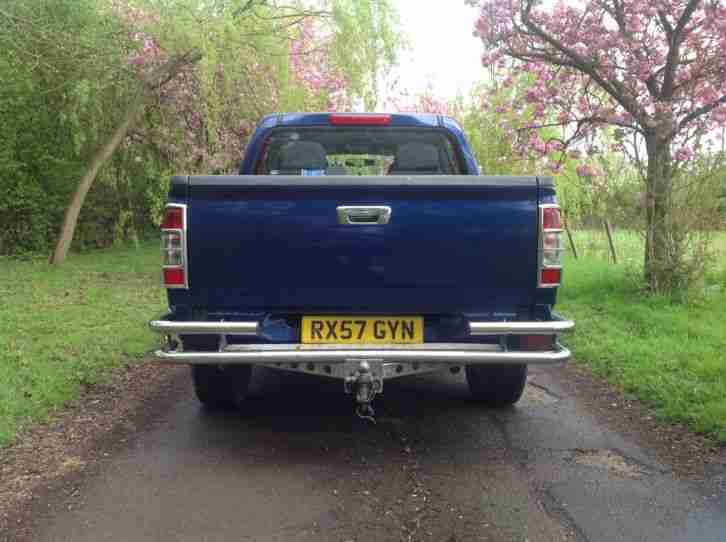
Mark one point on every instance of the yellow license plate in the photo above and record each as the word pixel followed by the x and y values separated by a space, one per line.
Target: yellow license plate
pixel 362 330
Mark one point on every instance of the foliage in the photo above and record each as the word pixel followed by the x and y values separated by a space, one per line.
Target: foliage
pixel 652 69
pixel 488 122
pixel 71 67
pixel 24 219
pixel 639 65
pixel 667 353
pixel 59 77
pixel 485 125
pixel 601 187
pixel 365 44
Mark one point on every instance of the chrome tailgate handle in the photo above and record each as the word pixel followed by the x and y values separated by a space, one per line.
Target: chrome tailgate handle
pixel 363 215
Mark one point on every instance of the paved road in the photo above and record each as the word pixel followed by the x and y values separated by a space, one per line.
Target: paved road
pixel 297 466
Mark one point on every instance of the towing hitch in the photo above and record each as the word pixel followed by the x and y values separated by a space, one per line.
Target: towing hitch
pixel 364 381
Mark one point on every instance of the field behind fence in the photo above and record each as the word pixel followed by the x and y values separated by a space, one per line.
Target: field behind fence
pixel 629 247
pixel 665 351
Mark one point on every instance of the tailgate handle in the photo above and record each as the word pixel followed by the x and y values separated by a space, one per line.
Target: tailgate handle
pixel 363 215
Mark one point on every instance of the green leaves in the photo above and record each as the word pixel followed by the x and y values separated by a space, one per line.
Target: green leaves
pixel 366 42
pixel 71 67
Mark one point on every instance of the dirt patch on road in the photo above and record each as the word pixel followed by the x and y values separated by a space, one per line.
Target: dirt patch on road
pixel 611 460
pixel 50 457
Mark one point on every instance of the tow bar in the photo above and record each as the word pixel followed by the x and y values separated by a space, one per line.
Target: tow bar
pixel 364 380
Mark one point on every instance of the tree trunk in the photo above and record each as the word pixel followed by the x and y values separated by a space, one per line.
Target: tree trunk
pixel 100 157
pixel 156 79
pixel 659 185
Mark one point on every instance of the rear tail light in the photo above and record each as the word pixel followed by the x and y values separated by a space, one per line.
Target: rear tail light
pixel 552 246
pixel 173 217
pixel 174 246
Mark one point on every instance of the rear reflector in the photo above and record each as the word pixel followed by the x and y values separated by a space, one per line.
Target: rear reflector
pixel 174 277
pixel 173 219
pixel 172 250
pixel 360 120
pixel 551 277
pixel 535 342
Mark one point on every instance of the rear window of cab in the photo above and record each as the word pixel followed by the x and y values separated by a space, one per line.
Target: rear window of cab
pixel 334 150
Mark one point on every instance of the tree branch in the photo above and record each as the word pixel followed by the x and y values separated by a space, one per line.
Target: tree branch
pixel 676 37
pixel 161 75
pixel 583 121
pixel 612 87
pixel 699 112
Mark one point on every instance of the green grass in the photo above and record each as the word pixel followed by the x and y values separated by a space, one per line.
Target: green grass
pixel 64 328
pixel 671 355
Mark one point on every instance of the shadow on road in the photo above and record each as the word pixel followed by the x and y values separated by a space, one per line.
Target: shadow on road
pixel 296 403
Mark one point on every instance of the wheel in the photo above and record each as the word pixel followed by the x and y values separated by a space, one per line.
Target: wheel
pixel 221 387
pixel 496 385
pixel 217 386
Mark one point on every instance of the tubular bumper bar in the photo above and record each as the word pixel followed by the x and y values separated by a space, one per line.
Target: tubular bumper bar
pixel 455 354
pixel 476 329
pixel 479 329
pixel 169 327
pixel 444 353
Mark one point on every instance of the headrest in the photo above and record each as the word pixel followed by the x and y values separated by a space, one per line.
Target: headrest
pixel 417 157
pixel 303 155
pixel 337 170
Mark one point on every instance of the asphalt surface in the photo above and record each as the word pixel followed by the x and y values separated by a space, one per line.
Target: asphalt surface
pixel 296 465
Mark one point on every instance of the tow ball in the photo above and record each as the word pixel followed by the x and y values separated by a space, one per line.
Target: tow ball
pixel 364 381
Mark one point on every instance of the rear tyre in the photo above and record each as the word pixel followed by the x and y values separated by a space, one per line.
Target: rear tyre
pixel 496 385
pixel 217 386
pixel 221 387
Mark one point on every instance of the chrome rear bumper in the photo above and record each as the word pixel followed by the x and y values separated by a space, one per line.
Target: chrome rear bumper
pixel 440 353
pixel 446 353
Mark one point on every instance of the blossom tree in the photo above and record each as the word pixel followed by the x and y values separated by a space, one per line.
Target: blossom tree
pixel 187 53
pixel 204 125
pixel 425 102
pixel 311 66
pixel 654 69
pixel 156 70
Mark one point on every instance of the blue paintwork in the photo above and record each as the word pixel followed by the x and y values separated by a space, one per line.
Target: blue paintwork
pixel 455 130
pixel 273 254
pixel 282 249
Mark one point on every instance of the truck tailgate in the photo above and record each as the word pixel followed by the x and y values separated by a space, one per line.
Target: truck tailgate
pixel 454 244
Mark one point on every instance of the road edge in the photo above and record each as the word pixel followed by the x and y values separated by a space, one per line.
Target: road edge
pixel 49 461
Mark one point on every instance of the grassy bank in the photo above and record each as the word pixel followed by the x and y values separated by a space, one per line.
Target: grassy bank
pixel 64 328
pixel 671 355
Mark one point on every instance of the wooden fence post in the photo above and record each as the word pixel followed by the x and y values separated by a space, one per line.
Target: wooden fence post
pixel 572 241
pixel 610 241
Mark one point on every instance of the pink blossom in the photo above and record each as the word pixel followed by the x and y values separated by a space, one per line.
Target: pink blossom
pixel 628 54
pixel 684 154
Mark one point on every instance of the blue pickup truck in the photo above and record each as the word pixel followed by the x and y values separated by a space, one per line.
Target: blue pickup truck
pixel 361 247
